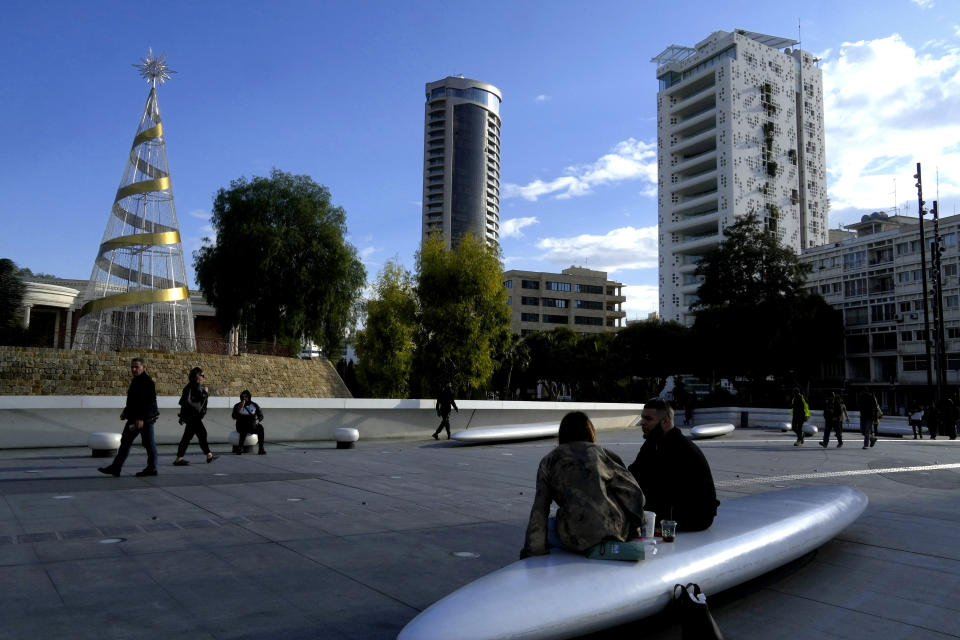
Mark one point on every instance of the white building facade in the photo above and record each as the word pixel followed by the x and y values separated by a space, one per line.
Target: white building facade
pixel 739 131
pixel 875 279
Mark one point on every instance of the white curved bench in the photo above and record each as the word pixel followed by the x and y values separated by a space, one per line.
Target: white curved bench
pixel 346 437
pixel 103 445
pixel 248 443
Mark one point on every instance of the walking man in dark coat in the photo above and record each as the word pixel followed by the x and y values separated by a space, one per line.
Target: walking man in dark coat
pixel 444 402
pixel 140 414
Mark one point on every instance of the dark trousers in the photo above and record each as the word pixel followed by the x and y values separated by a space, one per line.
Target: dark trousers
pixel 256 428
pixel 130 433
pixel 797 427
pixel 193 427
pixel 834 425
pixel 444 424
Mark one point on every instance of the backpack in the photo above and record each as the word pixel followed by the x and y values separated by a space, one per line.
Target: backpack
pixel 806 408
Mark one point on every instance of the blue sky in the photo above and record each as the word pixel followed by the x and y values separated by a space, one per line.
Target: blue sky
pixel 335 90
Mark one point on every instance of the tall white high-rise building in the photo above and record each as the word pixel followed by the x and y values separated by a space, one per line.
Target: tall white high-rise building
pixel 461 160
pixel 739 130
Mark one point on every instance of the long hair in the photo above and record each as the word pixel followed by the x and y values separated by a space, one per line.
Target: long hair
pixel 196 371
pixel 576 427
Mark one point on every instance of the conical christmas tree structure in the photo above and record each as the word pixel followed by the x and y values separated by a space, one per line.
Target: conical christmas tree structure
pixel 138 297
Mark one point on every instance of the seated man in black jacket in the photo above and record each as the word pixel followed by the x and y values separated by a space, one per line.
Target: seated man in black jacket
pixel 672 472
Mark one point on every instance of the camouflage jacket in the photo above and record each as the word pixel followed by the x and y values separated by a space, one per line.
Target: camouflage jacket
pixel 597 498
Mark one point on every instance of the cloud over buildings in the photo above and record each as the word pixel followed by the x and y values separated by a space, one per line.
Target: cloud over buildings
pixel 885 104
pixel 630 159
pixel 619 249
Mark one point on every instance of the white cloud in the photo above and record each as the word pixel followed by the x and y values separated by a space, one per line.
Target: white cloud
pixel 366 253
pixel 923 4
pixel 513 228
pixel 200 214
pixel 542 98
pixel 888 107
pixel 641 300
pixel 624 248
pixel 628 160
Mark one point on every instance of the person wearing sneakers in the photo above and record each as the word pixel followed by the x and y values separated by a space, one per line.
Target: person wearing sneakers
pixel 249 420
pixel 193 406
pixel 140 414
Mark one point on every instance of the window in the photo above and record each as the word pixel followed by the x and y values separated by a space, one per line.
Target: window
pixel 883 312
pixel 950 269
pixel 590 288
pixel 855 288
pixel 914 363
pixel 881 255
pixel 558 303
pixel 588 320
pixel 884 341
pixel 951 301
pixel 527 300
pixel 529 284
pixel 589 304
pixel 854 260
pixel 836 287
pixel 903 277
pixel 906 336
pixel 508 284
pixel 556 286
pixel 904 306
pixel 555 319
pixel 949 240
pixel 857 315
pixel 918 335
pixel 509 300
pixel 903 248
pixel 858 344
pixel 529 317
pixel 824 289
pixel 953 332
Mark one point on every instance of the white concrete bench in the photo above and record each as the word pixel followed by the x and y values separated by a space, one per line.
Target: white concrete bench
pixel 103 445
pixel 248 443
pixel 346 437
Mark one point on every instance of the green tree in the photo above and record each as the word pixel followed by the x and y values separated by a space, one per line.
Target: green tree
pixel 645 353
pixel 755 318
pixel 462 315
pixel 280 265
pixel 385 345
pixel 749 267
pixel 12 291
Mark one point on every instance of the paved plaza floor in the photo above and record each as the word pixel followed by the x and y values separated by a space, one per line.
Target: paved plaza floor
pixel 314 542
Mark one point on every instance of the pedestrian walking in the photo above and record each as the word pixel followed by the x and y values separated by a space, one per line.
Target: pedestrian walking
pixel 140 414
pixel 870 415
pixel 800 414
pixel 834 414
pixel 444 402
pixel 193 406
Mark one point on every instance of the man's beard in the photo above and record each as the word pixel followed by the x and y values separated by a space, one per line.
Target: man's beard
pixel 655 432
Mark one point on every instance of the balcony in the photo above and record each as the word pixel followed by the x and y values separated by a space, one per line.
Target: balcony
pixel 695 224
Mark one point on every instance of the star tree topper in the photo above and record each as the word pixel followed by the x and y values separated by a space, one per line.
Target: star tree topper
pixel 153 68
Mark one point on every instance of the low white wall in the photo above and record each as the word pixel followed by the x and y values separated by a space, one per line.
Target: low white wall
pixel 61 421
pixel 761 417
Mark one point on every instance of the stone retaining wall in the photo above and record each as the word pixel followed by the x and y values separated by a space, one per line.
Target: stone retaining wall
pixel 38 371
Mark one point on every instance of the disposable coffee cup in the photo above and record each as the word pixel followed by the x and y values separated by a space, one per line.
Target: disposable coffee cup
pixel 668 529
pixel 649 523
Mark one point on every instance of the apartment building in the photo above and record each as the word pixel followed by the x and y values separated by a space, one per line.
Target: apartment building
pixel 875 279
pixel 739 131
pixel 582 300
pixel 461 160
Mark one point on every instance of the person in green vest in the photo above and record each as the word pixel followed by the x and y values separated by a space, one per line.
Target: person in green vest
pixel 801 412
